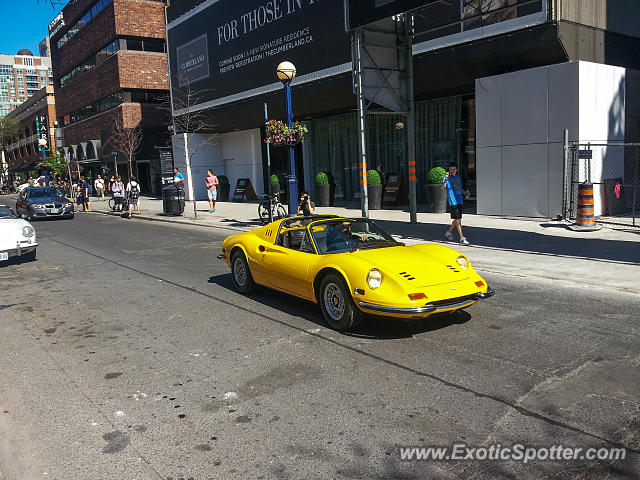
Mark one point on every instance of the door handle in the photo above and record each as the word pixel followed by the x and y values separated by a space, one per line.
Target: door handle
pixel 261 248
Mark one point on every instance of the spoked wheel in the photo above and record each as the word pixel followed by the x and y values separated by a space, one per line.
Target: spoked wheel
pixel 337 305
pixel 282 213
pixel 240 273
pixel 263 213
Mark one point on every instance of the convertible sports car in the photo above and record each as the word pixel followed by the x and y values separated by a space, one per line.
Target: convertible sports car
pixel 17 237
pixel 351 267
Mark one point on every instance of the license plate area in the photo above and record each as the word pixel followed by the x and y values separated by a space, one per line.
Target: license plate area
pixel 54 210
pixel 4 256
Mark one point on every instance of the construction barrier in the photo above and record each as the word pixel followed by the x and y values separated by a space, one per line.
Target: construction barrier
pixel 584 214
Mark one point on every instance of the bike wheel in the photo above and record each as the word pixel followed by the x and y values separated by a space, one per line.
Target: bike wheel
pixel 281 212
pixel 263 213
pixel 111 204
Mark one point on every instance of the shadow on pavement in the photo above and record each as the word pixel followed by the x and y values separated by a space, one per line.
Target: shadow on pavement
pixel 380 328
pixel 523 241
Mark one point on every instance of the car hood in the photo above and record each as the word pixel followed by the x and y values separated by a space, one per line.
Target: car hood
pixel 417 265
pixel 43 200
pixel 11 231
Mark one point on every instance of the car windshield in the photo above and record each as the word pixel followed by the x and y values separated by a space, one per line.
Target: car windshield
pixel 5 212
pixel 44 192
pixel 344 235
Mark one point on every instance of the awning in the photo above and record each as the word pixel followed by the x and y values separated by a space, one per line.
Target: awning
pixel 23 167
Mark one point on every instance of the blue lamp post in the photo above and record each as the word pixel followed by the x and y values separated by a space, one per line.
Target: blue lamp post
pixel 286 72
pixel 43 146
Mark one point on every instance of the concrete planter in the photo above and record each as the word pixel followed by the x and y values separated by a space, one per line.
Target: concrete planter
pixel 223 192
pixel 375 197
pixel 323 195
pixel 437 199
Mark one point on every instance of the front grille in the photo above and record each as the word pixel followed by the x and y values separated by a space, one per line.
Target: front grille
pixel 49 205
pixel 453 301
pixel 58 205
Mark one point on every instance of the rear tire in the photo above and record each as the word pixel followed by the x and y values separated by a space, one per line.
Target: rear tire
pixel 282 213
pixel 240 273
pixel 337 305
pixel 263 213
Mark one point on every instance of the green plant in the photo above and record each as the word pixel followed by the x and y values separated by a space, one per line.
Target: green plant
pixel 373 177
pixel 279 133
pixel 55 162
pixel 222 180
pixel 436 175
pixel 322 178
pixel 274 180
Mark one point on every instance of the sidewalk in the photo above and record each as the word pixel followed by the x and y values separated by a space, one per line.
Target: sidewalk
pixel 524 247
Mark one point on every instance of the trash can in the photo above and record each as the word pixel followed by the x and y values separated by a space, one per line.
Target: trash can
pixel 172 200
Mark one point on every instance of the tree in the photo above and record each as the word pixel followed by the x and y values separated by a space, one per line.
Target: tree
pixel 8 130
pixel 126 140
pixel 55 161
pixel 189 120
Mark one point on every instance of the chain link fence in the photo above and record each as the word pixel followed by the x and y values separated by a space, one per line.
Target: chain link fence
pixel 614 171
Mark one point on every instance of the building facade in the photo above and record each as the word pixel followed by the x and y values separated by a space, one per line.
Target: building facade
pixel 110 67
pixel 23 152
pixel 21 76
pixel 458 48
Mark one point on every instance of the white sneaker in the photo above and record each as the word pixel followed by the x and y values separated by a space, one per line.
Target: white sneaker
pixel 464 241
pixel 449 236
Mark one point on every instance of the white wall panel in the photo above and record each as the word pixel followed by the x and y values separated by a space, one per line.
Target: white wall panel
pixel 523 107
pixel 556 169
pixel 563 101
pixel 242 152
pixel 489 180
pixel 525 174
pixel 488 131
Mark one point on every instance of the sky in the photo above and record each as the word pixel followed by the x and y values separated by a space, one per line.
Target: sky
pixel 25 23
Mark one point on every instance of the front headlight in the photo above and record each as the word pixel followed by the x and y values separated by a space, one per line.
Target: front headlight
pixel 67 205
pixel 28 231
pixel 462 262
pixel 374 279
pixel 37 205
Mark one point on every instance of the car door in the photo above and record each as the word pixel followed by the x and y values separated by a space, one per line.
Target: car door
pixel 285 264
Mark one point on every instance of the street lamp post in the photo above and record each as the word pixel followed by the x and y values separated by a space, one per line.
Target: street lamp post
pixel 43 147
pixel 286 72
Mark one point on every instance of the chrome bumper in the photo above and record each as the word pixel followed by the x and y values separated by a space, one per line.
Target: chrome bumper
pixel 429 307
pixel 220 256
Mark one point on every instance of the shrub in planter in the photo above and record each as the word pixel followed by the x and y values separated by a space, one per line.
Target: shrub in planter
pixel 223 188
pixel 278 183
pixel 436 195
pixel 323 190
pixel 374 189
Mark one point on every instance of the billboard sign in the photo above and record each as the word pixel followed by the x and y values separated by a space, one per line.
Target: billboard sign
pixel 228 50
pixel 362 12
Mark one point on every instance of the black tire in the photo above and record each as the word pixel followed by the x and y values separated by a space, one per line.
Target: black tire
pixel 240 273
pixel 337 305
pixel 263 213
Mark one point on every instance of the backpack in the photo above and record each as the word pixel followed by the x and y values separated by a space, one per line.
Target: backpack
pixel 135 191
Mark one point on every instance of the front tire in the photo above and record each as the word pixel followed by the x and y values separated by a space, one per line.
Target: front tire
pixel 337 305
pixel 240 273
pixel 263 213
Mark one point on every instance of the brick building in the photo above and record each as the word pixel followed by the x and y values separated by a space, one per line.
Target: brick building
pixel 23 153
pixel 109 64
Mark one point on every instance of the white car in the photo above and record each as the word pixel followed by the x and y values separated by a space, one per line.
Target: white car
pixel 17 237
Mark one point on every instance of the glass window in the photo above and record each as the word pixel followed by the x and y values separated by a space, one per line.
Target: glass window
pixel 134 44
pixel 154 46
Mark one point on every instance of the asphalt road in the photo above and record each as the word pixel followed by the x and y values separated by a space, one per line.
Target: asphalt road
pixel 125 354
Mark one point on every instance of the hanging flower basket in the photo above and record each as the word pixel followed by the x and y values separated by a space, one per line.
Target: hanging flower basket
pixel 280 135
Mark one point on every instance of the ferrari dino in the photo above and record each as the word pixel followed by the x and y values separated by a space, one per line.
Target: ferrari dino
pixel 351 267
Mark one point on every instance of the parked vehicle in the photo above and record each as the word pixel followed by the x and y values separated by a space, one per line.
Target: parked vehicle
pixel 43 202
pixel 351 267
pixel 17 237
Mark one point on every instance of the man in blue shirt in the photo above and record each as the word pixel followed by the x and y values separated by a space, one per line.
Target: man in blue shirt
pixel 453 184
pixel 178 178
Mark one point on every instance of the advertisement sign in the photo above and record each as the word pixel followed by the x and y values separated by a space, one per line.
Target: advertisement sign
pixel 229 50
pixel 362 12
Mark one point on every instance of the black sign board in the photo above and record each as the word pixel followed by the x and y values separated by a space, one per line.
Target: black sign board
pixel 587 154
pixel 230 49
pixel 166 161
pixel 244 189
pixel 392 189
pixel 362 12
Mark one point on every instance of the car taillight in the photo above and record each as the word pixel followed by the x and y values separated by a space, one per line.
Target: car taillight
pixel 480 283
pixel 416 296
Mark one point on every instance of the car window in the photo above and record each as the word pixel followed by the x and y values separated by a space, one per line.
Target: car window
pixel 5 212
pixel 44 192
pixel 295 239
pixel 347 234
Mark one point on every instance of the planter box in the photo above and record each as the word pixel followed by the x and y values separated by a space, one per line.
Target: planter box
pixel 375 197
pixel 437 199
pixel 323 195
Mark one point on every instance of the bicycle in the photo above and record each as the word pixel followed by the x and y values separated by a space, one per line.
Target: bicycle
pixel 113 205
pixel 277 209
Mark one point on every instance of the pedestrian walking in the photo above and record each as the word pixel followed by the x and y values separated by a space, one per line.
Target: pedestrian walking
pixel 98 184
pixel 212 191
pixel 453 184
pixel 31 182
pixel 178 178
pixel 133 191
pixel 117 190
pixel 84 191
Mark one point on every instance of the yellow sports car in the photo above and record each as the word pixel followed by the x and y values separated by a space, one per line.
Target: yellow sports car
pixel 351 267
